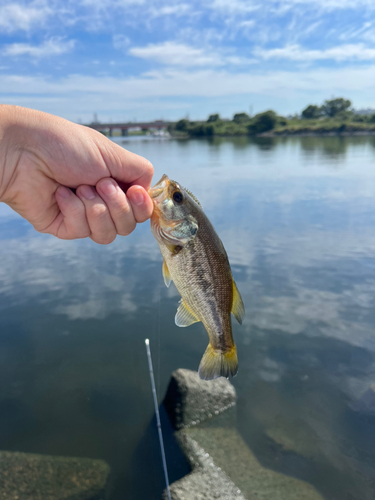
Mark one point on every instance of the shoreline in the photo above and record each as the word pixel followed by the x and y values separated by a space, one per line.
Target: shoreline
pixel 282 133
pixel 331 133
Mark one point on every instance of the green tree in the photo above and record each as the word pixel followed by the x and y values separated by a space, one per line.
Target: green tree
pixel 281 120
pixel 312 111
pixel 334 106
pixel 214 118
pixel 241 118
pixel 182 125
pixel 262 122
pixel 202 130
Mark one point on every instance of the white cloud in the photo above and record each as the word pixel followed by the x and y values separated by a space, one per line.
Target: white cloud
pixel 52 47
pixel 177 10
pixel 105 4
pixel 240 61
pixel 154 93
pixel 176 54
pixel 15 17
pixel 120 41
pixel 277 7
pixel 235 6
pixel 247 24
pixel 203 82
pixel 340 53
pixel 179 54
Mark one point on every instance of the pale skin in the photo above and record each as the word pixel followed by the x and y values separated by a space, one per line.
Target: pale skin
pixel 69 180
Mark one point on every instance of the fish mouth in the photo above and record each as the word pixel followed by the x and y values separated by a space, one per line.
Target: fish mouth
pixel 159 188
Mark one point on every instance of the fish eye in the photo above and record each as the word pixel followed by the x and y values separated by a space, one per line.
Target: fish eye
pixel 177 196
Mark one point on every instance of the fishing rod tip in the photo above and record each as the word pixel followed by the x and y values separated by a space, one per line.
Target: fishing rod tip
pixel 147 342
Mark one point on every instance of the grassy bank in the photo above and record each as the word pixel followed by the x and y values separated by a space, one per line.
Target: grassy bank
pixel 333 117
pixel 283 126
pixel 323 127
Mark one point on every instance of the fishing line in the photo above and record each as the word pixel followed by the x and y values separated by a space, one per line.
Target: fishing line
pixel 147 342
pixel 159 336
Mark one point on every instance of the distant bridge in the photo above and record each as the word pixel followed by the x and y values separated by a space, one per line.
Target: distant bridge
pixel 124 127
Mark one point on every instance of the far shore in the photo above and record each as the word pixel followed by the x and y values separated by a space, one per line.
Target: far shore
pixel 344 133
pixel 286 133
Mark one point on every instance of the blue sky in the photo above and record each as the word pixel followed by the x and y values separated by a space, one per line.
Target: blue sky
pixel 152 59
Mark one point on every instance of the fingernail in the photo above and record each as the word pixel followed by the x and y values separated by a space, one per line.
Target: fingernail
pixel 137 198
pixel 87 192
pixel 63 192
pixel 108 187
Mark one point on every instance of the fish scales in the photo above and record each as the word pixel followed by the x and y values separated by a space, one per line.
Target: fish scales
pixel 206 289
pixel 196 261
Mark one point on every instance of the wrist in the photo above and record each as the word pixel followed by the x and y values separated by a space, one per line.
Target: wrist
pixel 10 147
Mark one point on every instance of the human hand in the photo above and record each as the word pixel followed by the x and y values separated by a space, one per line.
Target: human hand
pixel 44 157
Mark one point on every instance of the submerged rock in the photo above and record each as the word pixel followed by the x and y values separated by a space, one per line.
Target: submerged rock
pixel 27 476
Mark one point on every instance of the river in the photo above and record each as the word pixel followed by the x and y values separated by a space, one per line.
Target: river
pixel 297 217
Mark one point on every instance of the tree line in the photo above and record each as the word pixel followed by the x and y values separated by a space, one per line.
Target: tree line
pixel 334 114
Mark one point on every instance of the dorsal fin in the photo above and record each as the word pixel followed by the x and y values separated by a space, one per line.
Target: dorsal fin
pixel 192 196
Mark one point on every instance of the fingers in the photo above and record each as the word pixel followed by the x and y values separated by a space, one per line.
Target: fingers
pixel 109 211
pixel 125 209
pixel 100 212
pixel 141 202
pixel 102 227
pixel 118 205
pixel 71 223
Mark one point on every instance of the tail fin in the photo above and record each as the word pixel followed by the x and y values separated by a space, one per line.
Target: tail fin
pixel 217 363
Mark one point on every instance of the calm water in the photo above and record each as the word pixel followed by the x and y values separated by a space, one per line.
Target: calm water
pixel 297 217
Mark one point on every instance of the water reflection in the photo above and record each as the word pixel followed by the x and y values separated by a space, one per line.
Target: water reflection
pixel 296 216
pixel 328 146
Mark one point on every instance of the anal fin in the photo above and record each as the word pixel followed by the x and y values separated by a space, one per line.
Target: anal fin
pixel 184 316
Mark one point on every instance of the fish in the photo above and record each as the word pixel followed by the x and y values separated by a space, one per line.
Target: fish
pixel 194 258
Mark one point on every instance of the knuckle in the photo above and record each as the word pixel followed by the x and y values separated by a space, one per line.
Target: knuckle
pixel 120 212
pixel 76 209
pixel 98 211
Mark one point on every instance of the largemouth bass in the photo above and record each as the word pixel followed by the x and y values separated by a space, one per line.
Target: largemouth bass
pixel 196 261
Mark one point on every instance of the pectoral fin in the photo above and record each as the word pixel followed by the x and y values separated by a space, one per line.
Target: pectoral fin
pixel 238 309
pixel 184 316
pixel 166 275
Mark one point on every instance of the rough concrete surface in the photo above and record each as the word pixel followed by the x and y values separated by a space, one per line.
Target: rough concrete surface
pixel 27 476
pixel 230 453
pixel 223 465
pixel 207 481
pixel 191 401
